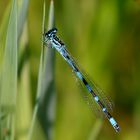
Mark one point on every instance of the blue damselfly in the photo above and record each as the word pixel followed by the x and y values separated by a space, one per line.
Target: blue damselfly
pixel 51 39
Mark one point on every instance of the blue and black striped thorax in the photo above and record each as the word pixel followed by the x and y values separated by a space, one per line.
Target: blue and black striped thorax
pixel 60 47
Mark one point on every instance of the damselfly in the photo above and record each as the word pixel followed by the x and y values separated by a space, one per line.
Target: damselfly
pixel 51 38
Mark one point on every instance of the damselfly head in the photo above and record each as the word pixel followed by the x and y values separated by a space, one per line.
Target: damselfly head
pixel 51 32
pixel 48 36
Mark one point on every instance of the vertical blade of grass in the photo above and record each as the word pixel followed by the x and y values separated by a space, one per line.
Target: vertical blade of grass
pixel 22 13
pixel 23 98
pixel 51 20
pixel 24 115
pixel 45 89
pixel 48 97
pixel 23 8
pixel 40 80
pixel 3 30
pixel 9 76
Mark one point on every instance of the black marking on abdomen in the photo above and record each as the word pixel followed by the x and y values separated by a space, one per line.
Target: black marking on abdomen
pixel 67 57
pixel 84 81
pixel 75 68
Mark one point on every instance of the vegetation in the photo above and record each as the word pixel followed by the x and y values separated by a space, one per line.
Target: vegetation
pixel 38 96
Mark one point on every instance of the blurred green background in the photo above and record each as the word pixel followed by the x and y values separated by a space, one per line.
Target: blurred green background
pixel 104 37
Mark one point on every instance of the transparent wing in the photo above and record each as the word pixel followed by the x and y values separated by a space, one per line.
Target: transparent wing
pixel 88 98
pixel 97 90
pixel 101 94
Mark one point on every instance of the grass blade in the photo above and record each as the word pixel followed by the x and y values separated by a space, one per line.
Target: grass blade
pixel 40 80
pixel 3 30
pixel 24 97
pixel 45 90
pixel 23 6
pixel 48 97
pixel 9 76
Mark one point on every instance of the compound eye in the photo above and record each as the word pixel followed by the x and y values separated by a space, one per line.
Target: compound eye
pixel 54 30
pixel 51 32
pixel 47 34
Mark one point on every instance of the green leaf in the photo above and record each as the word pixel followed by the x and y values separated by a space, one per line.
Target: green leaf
pixel 22 14
pixel 34 123
pixel 45 89
pixel 9 73
pixel 9 77
pixel 3 31
pixel 48 94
